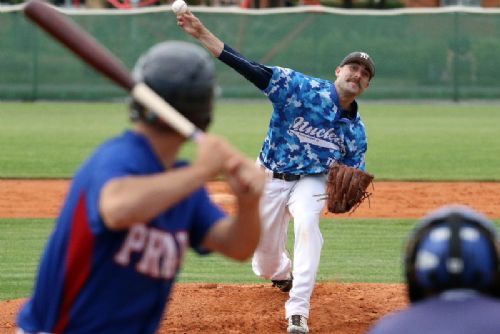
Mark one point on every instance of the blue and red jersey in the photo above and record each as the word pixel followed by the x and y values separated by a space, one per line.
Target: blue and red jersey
pixel 94 280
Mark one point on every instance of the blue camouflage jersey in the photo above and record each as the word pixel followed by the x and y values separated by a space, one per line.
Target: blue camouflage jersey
pixel 95 280
pixel 308 130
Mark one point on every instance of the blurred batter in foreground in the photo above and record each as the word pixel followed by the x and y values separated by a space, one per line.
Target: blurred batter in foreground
pixel 133 210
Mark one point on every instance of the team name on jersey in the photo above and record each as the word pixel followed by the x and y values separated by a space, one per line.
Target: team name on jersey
pixel 315 136
pixel 161 252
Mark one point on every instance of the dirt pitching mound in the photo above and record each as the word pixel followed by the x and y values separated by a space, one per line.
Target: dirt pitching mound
pixel 337 308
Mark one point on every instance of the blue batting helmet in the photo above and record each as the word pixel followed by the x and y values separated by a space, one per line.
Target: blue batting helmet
pixel 453 247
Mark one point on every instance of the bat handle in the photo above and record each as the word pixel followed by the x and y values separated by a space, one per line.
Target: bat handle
pixel 197 135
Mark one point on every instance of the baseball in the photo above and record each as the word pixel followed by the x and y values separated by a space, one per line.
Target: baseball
pixel 179 7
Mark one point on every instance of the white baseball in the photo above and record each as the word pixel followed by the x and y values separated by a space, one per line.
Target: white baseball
pixel 179 7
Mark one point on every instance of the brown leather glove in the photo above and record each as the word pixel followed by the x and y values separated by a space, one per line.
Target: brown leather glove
pixel 346 188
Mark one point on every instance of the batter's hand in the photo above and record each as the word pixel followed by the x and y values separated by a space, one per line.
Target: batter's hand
pixel 212 153
pixel 216 156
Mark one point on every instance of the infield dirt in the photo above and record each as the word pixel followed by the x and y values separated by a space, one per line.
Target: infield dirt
pixel 337 308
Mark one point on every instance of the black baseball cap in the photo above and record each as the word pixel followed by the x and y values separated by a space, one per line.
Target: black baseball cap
pixel 360 58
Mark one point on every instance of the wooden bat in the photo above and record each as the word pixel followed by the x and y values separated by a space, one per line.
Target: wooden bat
pixel 101 59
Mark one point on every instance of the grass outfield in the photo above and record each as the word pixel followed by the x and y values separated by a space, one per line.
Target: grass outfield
pixel 353 251
pixel 406 142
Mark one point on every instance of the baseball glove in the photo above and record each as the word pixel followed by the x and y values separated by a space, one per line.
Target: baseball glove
pixel 346 188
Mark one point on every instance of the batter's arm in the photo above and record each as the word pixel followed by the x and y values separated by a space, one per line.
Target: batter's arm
pixel 238 236
pixel 133 199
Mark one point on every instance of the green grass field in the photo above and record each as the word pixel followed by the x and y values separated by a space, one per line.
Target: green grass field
pixel 406 142
pixel 354 250
pixel 348 254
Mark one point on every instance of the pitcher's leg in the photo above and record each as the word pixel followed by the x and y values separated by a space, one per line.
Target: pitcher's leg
pixel 306 211
pixel 271 259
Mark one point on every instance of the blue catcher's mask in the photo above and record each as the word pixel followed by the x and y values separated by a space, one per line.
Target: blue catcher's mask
pixel 452 248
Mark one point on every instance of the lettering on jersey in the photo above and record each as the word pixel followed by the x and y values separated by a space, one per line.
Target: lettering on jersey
pixel 316 136
pixel 161 252
pixel 331 161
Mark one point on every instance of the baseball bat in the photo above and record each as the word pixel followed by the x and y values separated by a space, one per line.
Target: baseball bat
pixel 87 48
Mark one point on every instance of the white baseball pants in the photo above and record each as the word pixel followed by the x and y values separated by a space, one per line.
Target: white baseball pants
pixel 281 201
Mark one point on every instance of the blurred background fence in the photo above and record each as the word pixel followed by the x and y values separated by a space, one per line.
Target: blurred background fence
pixel 449 53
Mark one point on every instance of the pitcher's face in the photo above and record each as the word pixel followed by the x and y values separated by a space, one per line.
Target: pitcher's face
pixel 352 78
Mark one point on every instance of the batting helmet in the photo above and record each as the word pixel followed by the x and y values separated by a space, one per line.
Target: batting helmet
pixel 181 73
pixel 454 247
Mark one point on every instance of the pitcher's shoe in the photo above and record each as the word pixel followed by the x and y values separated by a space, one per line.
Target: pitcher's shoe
pixel 284 285
pixel 297 324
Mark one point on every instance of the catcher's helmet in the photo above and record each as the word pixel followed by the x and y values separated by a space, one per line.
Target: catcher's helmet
pixel 454 247
pixel 184 75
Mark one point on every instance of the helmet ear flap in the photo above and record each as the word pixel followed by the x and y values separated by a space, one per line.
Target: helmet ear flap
pixel 137 113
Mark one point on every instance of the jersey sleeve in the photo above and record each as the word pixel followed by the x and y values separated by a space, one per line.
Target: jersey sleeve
pixel 107 170
pixel 206 215
pixel 119 158
pixel 256 73
pixel 285 86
